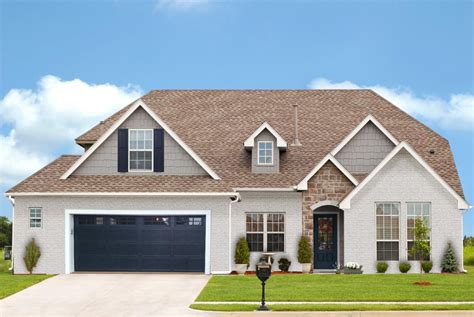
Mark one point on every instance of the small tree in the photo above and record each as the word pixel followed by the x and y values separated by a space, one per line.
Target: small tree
pixel 305 254
pixel 32 255
pixel 242 252
pixel 449 263
pixel 421 245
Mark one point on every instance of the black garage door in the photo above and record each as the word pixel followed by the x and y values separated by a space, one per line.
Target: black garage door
pixel 139 243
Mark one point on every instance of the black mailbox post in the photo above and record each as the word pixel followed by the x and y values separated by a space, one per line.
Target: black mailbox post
pixel 264 270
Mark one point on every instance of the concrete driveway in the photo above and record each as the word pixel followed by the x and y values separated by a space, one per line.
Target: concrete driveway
pixel 108 295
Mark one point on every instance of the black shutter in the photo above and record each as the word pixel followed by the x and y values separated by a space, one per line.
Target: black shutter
pixel 122 151
pixel 159 150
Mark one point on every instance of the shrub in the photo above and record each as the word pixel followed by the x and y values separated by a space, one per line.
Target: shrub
pixel 404 267
pixel 284 264
pixel 382 267
pixel 32 255
pixel 242 252
pixel 305 254
pixel 426 266
pixel 449 263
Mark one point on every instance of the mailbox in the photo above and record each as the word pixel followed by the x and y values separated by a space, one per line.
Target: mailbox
pixel 7 253
pixel 264 270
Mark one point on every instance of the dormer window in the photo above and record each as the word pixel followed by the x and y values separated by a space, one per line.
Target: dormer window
pixel 265 153
pixel 140 150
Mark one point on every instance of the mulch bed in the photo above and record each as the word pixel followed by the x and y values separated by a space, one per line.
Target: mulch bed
pixel 423 283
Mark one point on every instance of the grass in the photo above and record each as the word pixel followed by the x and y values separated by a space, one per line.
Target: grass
pixel 469 255
pixel 365 287
pixel 11 284
pixel 332 307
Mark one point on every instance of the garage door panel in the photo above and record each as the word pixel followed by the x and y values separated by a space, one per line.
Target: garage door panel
pixel 156 249
pixel 157 236
pixel 139 243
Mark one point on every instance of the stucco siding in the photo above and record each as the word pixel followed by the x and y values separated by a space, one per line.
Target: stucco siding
pixel 265 135
pixel 365 151
pixel 51 237
pixel 402 180
pixel 104 160
pixel 288 203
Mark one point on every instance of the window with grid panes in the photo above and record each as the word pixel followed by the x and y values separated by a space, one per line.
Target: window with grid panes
pixel 388 231
pixel 266 232
pixel 416 210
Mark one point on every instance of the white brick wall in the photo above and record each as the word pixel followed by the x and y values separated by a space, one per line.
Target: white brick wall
pixel 289 203
pixel 402 180
pixel 104 159
pixel 51 236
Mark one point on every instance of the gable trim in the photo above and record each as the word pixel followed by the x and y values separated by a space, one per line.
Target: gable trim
pixel 346 202
pixel 281 143
pixel 303 185
pixel 354 132
pixel 138 103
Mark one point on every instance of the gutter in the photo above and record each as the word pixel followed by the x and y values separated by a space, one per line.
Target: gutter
pixel 263 189
pixel 225 194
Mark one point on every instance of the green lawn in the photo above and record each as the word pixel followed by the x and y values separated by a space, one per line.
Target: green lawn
pixel 10 284
pixel 469 255
pixel 324 307
pixel 365 287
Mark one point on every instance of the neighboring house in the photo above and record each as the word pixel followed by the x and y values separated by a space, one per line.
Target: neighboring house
pixel 170 183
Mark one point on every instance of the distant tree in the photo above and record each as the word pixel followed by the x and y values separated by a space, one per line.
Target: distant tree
pixel 468 241
pixel 5 231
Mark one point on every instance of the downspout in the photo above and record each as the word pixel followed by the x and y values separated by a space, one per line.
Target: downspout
pixel 12 201
pixel 233 200
pixel 463 211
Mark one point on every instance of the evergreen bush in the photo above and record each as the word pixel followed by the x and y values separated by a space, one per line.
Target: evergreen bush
pixel 305 254
pixel 449 263
pixel 32 255
pixel 242 252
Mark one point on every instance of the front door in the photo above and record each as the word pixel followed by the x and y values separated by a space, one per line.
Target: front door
pixel 325 241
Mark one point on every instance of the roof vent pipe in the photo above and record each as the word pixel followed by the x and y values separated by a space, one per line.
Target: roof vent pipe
pixel 296 141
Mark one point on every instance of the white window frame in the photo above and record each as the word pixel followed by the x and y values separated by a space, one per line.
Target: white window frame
pixel 258 152
pixel 142 150
pixel 399 229
pixel 40 218
pixel 429 224
pixel 265 231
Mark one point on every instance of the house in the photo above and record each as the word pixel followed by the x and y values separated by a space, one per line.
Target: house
pixel 173 180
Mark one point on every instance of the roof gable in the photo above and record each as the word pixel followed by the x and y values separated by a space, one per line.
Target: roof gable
pixel 137 104
pixel 280 142
pixel 359 127
pixel 303 185
pixel 346 202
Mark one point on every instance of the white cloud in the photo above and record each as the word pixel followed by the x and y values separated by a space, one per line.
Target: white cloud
pixel 455 113
pixel 179 5
pixel 43 122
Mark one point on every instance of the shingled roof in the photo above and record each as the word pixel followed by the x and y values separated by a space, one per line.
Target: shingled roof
pixel 215 123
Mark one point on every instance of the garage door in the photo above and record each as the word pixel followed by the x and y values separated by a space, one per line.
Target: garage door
pixel 139 243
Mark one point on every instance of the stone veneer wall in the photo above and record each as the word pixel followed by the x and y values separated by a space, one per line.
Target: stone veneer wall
pixel 327 184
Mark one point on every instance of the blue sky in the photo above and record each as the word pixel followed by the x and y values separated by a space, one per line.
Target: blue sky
pixel 62 57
